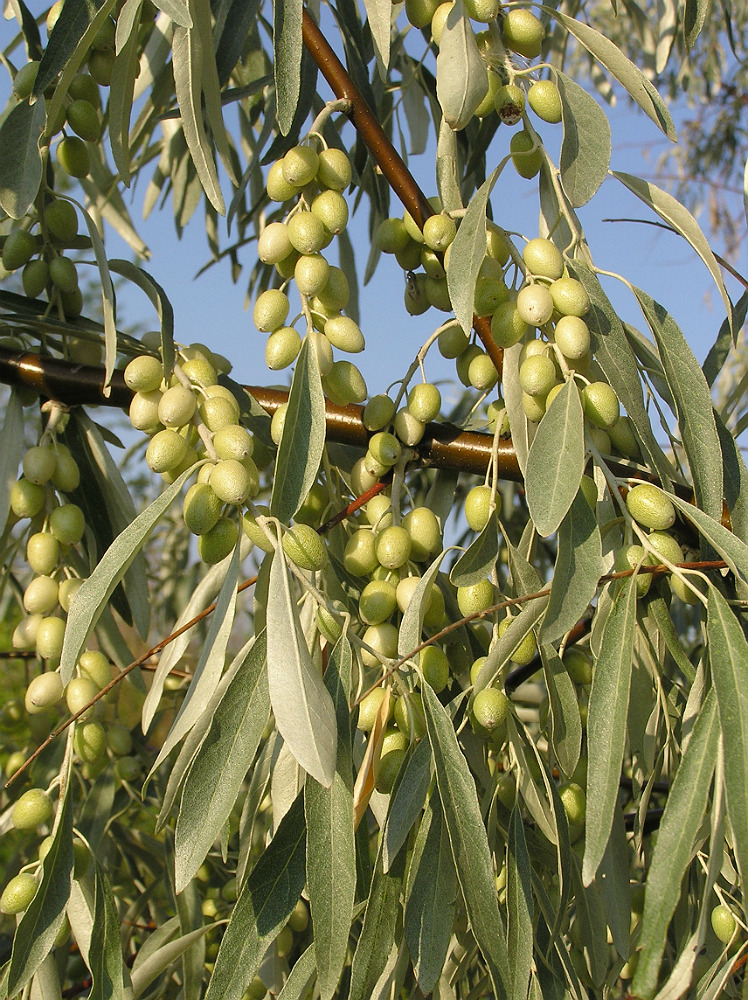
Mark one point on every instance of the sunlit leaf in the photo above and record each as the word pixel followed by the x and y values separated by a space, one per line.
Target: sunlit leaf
pixel 586 146
pixel 287 49
pixel 461 79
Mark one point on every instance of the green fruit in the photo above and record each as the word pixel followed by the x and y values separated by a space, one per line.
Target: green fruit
pixel 104 38
pixel 73 157
pixel 437 293
pixel 489 294
pixel 274 244
pixel 484 11
pixel 336 293
pixel 49 637
pixel 42 552
pixel 570 297
pixel 40 597
pixel 574 802
pixel 18 249
pixel 377 602
pixel 143 411
pixel 79 693
pixel 507 326
pixel 79 350
pixel 305 547
pixel 526 157
pixel 39 464
pixel 392 236
pixel 277 187
pixel 490 708
pixel 63 274
pixel 299 919
pixel 67 591
pixel 18 893
pixel 359 556
pixel 477 507
pixel 600 404
pixel 525 651
pixel 723 923
pixel 523 33
pixel 383 640
pixel 665 545
pixel 24 634
pixel 389 767
pixel 83 119
pixel 345 384
pixel 509 102
pixel 685 593
pixel 439 20
pixel 61 220
pixel 650 507
pixel 334 169
pixel 96 667
pixel 438 232
pixel 67 523
pixel 434 667
pixel 537 375
pixel 35 277
pixel 100 66
pixel 409 716
pixel 218 411
pixel 32 809
pixel 534 304
pixel 424 402
pixel 543 258
pixel 307 233
pixel 84 87
pixel 299 166
pixel 623 438
pixel 215 544
pixel 545 100
pixel 24 80
pixel 628 558
pixel 144 374
pixel 420 12
pixel 166 451
pixel 177 406
pixel 578 666
pixel 119 739
pixel 475 598
pixel 90 742
pixel 368 709
pixel 310 273
pixel 271 310
pixel 43 691
pixel 572 336
pixel 392 547
pixel 424 529
pixel 331 209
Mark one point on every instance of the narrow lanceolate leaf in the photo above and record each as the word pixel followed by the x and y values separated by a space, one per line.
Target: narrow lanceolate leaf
pixel 301 976
pixel 107 298
pixel 606 724
pixel 210 665
pixel 477 561
pixel 124 72
pixel 566 724
pixel 693 404
pixel 97 589
pixel 684 809
pixel 38 927
pixel 579 565
pixel 467 835
pixel 20 160
pixel 728 655
pixel 379 13
pixel 79 20
pixel 556 460
pixel 270 892
pixel 12 435
pixel 158 299
pixel 187 62
pixel 201 16
pixel 159 960
pixel 616 358
pixel 287 49
pixel 331 847
pixel 467 254
pixel 105 954
pixel 693 20
pixel 620 66
pixel 676 215
pixel 303 708
pixel 177 11
pixel 461 80
pixel 411 627
pixel 407 802
pixel 519 906
pixel 430 897
pixel 586 146
pixel 303 440
pixel 218 769
pixel 378 931
pixel 732 550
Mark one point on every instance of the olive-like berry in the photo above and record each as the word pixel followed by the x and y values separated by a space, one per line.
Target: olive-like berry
pixel 18 249
pixel 299 166
pixel 475 598
pixel 545 100
pixel 424 402
pixel 18 893
pixel 439 231
pixel 477 507
pixel 43 691
pixel 42 552
pixel 333 169
pixel 40 597
pixel 63 274
pixel 201 508
pixel 67 591
pixel 522 32
pixel 392 547
pixel 409 715
pixel 144 374
pixel 32 809
pixel 383 640
pixel 434 667
pixel 35 277
pixel 723 923
pixel 24 80
pixel 89 741
pixel 578 666
pixel 574 802
pixel 176 406
pixel 526 157
pixel 305 547
pixel 507 326
pixel 271 310
pixel 39 464
pixel 570 297
pixel 67 523
pixel 534 304
pixel 490 708
pixel 377 602
pixel 166 451
pixel 331 209
pixel 600 404
pixel 537 375
pixel 345 384
pixel 368 709
pixel 525 651
pixel 509 102
pixel 629 557
pixel 72 155
pixel 650 507
pixel 79 692
pixel 26 498
pixel 543 258
pixel 96 667
pixel 83 119
pixel 424 529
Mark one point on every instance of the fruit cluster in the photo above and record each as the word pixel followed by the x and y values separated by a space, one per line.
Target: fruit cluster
pixel 293 246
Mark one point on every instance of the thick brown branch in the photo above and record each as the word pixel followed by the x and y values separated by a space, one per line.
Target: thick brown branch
pixel 384 153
